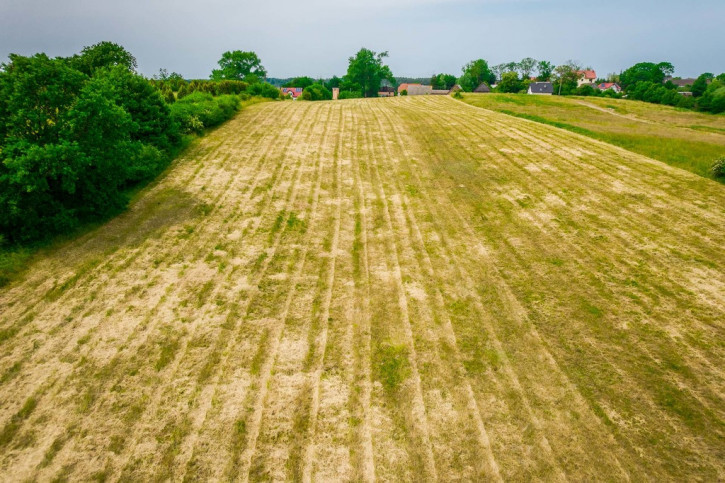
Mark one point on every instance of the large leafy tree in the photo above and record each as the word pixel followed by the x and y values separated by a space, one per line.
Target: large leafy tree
pixel 70 142
pixel 545 69
pixel 239 65
pixel 645 72
pixel 510 82
pixel 474 73
pixel 367 70
pixel 443 81
pixel 527 66
pixel 565 82
pixel 101 55
pixel 700 85
pixel 302 82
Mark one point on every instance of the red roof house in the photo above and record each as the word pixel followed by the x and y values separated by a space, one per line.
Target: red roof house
pixel 293 92
pixel 586 77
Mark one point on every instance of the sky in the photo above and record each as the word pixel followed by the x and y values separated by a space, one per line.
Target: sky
pixel 423 37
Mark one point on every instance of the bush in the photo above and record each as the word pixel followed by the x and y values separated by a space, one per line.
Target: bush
pixel 350 95
pixel 264 89
pixel 718 168
pixel 316 92
pixel 200 110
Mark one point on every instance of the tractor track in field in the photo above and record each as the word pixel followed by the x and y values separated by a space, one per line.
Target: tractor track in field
pixel 378 289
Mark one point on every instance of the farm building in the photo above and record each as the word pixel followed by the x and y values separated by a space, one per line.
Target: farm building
pixel 404 87
pixel 293 92
pixel 609 85
pixel 386 91
pixel 585 77
pixel 456 88
pixel 482 89
pixel 541 88
pixel 681 82
pixel 419 90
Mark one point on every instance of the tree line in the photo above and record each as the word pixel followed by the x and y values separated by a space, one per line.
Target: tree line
pixel 77 133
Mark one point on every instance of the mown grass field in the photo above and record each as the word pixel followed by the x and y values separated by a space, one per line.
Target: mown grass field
pixel 396 289
pixel 683 138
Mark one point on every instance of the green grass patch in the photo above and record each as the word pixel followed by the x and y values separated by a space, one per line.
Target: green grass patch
pixel 392 365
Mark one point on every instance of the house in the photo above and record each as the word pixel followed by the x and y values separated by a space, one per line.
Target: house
pixel 541 88
pixel 609 85
pixel 386 91
pixel 439 92
pixel 404 87
pixel 456 88
pixel 482 89
pixel 419 90
pixel 585 77
pixel 293 92
pixel 681 82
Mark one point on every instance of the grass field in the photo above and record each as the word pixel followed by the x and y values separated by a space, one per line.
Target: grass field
pixel 396 289
pixel 682 138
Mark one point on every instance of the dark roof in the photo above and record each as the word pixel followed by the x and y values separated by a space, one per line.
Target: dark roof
pixel 482 88
pixel 541 88
pixel 682 82
pixel 386 89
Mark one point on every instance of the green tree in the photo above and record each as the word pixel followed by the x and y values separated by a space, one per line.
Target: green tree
pixel 316 92
pixel 565 82
pixel 443 81
pixel 700 85
pixel 474 73
pixel 510 82
pixel 239 65
pixel 526 67
pixel 645 72
pixel 302 82
pixel 366 70
pixel 546 69
pixel 103 54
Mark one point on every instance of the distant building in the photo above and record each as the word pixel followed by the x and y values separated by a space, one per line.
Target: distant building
pixel 585 77
pixel 386 91
pixel 419 90
pixel 541 88
pixel 681 82
pixel 609 85
pixel 404 87
pixel 482 88
pixel 456 88
pixel 440 92
pixel 293 92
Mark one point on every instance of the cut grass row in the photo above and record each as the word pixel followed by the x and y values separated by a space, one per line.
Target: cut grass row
pixel 688 140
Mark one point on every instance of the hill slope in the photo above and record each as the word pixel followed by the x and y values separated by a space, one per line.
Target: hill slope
pixel 406 288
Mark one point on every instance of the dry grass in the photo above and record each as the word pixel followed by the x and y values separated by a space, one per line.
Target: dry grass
pixel 682 138
pixel 394 289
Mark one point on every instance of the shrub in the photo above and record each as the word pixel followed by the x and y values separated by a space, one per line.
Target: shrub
pixel 264 89
pixel 316 92
pixel 718 168
pixel 349 95
pixel 201 110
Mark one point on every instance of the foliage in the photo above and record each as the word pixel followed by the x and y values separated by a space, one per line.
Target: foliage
pixel 302 82
pixel 239 65
pixel 645 72
pixel 510 82
pixel 200 110
pixel 263 89
pixel 546 69
pixel 366 70
pixel 700 85
pixel 565 82
pixel 333 82
pixel 75 134
pixel 526 67
pixel 718 168
pixel 103 54
pixel 350 95
pixel 443 81
pixel 316 92
pixel 474 73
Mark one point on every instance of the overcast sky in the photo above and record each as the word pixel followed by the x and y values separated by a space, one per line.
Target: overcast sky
pixel 316 37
